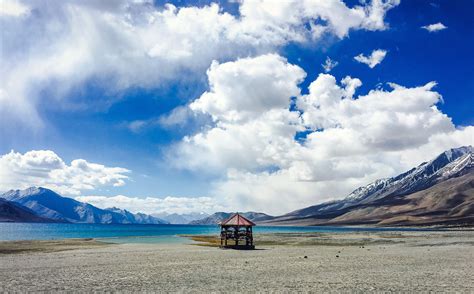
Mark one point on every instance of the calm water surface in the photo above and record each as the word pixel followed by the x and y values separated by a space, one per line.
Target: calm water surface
pixel 145 233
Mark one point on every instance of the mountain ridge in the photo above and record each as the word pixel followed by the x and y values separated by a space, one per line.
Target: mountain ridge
pixel 48 204
pixel 181 219
pixel 14 212
pixel 217 217
pixel 400 200
pixel 138 217
pixel 452 163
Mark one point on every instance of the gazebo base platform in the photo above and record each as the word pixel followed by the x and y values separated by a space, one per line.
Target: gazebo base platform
pixel 238 247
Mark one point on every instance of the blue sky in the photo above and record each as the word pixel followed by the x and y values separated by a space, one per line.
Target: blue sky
pixel 91 119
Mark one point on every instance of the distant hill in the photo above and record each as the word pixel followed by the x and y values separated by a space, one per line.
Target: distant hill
pixel 48 204
pixel 137 218
pixel 436 192
pixel 186 218
pixel 14 212
pixel 220 216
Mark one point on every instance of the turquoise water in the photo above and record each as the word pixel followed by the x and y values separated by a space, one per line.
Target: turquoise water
pixel 144 233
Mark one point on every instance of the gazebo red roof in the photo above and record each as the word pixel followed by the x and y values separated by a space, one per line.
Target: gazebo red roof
pixel 237 220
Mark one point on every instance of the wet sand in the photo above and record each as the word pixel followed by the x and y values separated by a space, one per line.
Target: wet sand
pixel 409 261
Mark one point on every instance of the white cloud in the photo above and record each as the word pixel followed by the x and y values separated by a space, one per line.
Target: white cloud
pixel 275 21
pixel 13 8
pixel 45 168
pixel 137 125
pixel 434 27
pixel 351 139
pixel 152 205
pixel 248 100
pixel 329 64
pixel 241 90
pixel 375 58
pixel 177 117
pixel 123 44
pixel 438 143
pixel 180 118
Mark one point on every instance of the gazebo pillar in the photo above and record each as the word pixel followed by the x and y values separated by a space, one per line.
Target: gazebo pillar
pixel 236 235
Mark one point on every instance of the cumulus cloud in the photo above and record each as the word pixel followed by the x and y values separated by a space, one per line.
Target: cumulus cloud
pixel 120 44
pixel 373 59
pixel 329 64
pixel 344 140
pixel 248 101
pixel 434 27
pixel 287 19
pixel 45 168
pixel 261 83
pixel 151 205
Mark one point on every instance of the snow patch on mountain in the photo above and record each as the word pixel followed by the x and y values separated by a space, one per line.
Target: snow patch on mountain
pixel 445 165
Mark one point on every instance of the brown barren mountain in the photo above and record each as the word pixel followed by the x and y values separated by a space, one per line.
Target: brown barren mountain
pixel 449 202
pixel 438 192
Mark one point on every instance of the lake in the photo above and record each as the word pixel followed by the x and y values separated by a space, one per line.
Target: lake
pixel 147 233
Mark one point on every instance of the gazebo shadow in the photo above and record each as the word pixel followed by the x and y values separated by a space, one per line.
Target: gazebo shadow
pixel 241 249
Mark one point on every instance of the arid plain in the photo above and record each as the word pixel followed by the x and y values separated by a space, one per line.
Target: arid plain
pixel 379 261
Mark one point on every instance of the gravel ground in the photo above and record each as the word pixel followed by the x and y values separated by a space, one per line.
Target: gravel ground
pixel 408 262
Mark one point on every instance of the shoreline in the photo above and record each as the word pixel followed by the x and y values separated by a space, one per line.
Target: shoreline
pixel 438 226
pixel 354 238
pixel 199 237
pixel 81 233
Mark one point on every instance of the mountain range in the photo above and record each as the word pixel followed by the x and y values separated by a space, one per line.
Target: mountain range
pixel 440 191
pixel 137 218
pixel 185 218
pixel 49 205
pixel 220 216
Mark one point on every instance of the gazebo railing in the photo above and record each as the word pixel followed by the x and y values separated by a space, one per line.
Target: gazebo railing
pixel 236 236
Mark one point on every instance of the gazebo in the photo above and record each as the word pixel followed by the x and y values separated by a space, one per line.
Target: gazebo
pixel 238 230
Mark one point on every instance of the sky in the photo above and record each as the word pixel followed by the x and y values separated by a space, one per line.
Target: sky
pixel 190 106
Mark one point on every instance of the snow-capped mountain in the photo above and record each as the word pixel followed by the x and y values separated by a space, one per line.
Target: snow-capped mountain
pixel 48 204
pixel 451 164
pixel 446 165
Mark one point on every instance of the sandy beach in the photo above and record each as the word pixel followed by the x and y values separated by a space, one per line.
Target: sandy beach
pixel 355 262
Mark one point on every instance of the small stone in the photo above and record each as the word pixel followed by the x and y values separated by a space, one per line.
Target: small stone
pixel 337 255
pixel 305 256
